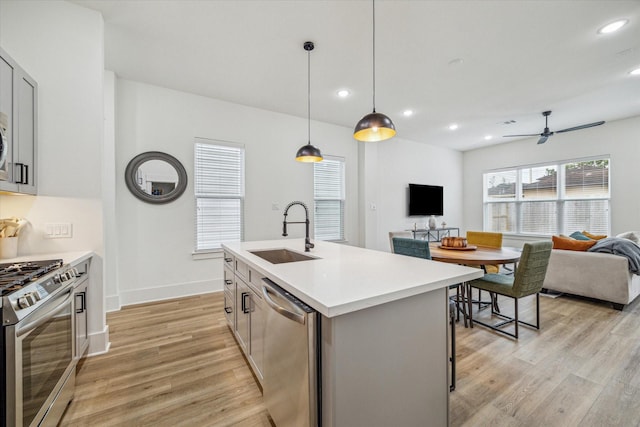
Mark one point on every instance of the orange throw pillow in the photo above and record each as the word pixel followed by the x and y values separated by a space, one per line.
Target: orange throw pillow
pixel 594 236
pixel 570 244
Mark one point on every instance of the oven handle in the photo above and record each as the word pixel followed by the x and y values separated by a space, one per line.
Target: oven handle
pixel 45 318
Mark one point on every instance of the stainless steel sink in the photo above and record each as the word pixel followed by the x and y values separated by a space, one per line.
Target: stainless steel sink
pixel 280 256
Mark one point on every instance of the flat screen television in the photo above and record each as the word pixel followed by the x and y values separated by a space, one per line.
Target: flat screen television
pixel 425 200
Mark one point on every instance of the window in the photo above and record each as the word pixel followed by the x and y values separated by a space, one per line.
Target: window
pixel 328 196
pixel 555 198
pixel 219 190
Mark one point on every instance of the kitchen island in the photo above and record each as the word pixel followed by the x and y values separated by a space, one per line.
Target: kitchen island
pixel 383 328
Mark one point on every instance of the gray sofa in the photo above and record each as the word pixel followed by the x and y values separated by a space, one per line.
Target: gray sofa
pixel 595 275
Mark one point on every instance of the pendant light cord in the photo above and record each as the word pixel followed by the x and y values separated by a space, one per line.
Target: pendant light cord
pixel 309 95
pixel 374 54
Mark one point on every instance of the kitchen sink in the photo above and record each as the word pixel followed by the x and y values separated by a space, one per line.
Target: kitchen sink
pixel 280 256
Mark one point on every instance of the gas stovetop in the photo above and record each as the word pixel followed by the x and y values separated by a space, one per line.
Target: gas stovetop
pixel 15 276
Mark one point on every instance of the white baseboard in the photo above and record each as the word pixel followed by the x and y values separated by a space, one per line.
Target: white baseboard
pixel 160 293
pixel 112 303
pixel 99 342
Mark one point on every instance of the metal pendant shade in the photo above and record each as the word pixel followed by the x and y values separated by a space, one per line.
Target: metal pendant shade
pixel 374 126
pixel 308 153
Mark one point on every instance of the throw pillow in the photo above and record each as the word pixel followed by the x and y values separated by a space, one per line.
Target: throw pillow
pixel 634 236
pixel 594 236
pixel 570 244
pixel 578 236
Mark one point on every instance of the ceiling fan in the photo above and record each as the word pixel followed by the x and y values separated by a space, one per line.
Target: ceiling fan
pixel 547 133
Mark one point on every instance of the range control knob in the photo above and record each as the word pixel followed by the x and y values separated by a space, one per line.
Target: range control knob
pixel 23 302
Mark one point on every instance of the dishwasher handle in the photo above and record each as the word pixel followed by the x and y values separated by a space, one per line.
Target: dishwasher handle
pixel 296 317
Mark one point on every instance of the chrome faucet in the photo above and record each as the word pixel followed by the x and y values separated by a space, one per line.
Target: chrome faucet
pixel 307 241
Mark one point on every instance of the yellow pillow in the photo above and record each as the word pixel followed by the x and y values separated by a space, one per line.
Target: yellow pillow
pixel 594 236
pixel 570 244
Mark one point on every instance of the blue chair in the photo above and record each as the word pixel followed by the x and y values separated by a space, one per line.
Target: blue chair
pixel 420 249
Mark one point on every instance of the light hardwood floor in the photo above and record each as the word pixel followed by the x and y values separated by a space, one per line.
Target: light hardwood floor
pixel 175 363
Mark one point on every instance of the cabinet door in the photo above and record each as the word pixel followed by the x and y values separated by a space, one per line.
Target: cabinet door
pixel 24 159
pixel 7 71
pixel 257 333
pixel 81 319
pixel 243 304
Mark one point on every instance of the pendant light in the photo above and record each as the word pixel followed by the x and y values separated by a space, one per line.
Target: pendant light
pixel 374 126
pixel 308 153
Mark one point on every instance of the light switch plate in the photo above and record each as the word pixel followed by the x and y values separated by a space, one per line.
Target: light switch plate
pixel 58 230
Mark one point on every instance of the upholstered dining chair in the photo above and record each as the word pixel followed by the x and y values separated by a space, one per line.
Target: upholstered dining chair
pixel 487 239
pixel 420 249
pixel 403 234
pixel 527 280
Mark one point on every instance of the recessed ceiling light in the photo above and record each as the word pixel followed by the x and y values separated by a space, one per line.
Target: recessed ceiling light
pixel 635 72
pixel 487 137
pixel 456 61
pixel 343 93
pixel 453 126
pixel 407 113
pixel 613 27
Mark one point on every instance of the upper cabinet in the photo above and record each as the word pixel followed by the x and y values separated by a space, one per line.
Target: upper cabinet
pixel 18 120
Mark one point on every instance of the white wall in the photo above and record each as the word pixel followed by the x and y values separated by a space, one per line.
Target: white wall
pixel 618 139
pixel 61 46
pixel 155 242
pixel 389 167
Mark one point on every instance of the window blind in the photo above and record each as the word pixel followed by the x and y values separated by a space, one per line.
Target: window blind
pixel 219 191
pixel 557 198
pixel 329 199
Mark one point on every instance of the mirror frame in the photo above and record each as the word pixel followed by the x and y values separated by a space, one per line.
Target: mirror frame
pixel 137 161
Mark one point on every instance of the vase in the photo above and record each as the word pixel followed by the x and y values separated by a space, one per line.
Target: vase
pixel 432 222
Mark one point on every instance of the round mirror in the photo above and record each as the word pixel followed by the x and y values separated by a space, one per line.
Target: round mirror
pixel 155 177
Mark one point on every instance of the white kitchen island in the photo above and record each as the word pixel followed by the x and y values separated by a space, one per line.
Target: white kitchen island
pixel 383 335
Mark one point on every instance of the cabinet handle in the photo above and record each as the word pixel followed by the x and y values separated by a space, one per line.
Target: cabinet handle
pixel 228 310
pixel 82 303
pixel 245 308
pixel 228 259
pixel 228 282
pixel 25 179
pixel 19 180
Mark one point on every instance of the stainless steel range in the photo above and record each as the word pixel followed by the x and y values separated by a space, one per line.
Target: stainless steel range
pixel 37 365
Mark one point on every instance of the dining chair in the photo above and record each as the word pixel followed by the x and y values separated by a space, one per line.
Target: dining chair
pixel 527 280
pixel 403 234
pixel 487 239
pixel 420 249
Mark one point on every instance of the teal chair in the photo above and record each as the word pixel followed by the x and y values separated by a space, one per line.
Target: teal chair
pixel 527 280
pixel 420 249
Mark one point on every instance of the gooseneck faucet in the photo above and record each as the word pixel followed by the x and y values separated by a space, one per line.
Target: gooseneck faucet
pixel 307 241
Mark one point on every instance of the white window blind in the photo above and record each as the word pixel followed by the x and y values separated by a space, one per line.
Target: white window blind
pixel 556 198
pixel 329 198
pixel 219 191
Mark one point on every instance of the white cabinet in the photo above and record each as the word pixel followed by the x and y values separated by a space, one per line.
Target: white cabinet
pixel 81 319
pixel 18 103
pixel 244 310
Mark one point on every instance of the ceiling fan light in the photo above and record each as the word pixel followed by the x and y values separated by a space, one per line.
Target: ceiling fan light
pixel 308 154
pixel 374 127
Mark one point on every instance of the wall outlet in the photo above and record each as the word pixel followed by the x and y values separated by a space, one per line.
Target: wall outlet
pixel 58 230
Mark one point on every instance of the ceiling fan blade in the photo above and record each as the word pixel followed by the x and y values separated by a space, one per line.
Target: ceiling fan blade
pixel 581 127
pixel 543 139
pixel 532 134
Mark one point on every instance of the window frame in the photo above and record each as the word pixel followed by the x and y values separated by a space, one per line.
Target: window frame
pixel 561 199
pixel 241 177
pixel 342 198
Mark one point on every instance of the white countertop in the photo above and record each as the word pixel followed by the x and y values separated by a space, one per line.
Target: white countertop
pixel 346 278
pixel 66 257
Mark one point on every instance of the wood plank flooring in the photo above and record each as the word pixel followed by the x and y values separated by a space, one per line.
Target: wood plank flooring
pixel 175 363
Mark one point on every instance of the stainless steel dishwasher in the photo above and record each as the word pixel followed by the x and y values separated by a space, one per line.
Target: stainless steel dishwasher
pixel 290 361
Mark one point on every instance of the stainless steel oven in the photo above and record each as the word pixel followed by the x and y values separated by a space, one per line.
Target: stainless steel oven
pixel 38 338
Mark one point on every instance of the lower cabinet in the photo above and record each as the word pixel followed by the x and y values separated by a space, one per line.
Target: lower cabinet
pixel 81 318
pixel 244 311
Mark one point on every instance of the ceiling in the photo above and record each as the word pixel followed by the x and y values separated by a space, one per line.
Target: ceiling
pixel 476 63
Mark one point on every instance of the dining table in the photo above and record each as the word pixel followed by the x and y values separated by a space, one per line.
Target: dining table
pixel 473 255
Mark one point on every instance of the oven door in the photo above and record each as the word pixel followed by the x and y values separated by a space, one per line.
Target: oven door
pixel 40 378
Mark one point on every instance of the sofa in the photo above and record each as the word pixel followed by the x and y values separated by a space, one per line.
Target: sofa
pixel 596 275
